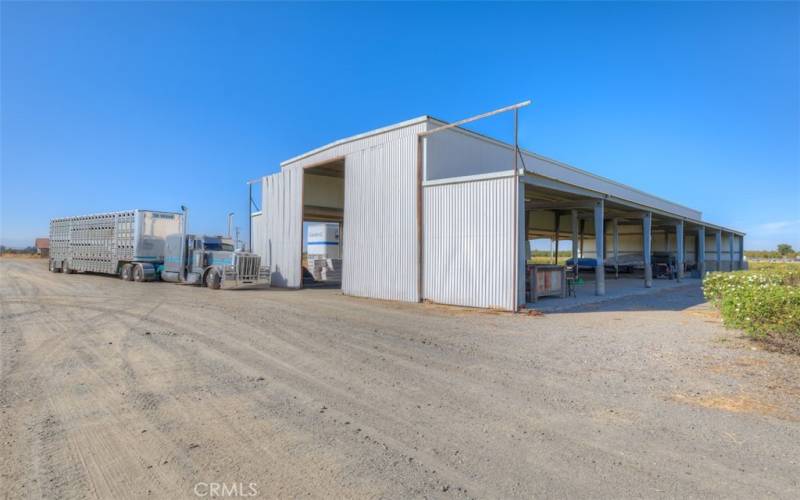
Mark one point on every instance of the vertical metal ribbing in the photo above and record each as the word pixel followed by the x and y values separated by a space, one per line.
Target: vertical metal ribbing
pixel 647 225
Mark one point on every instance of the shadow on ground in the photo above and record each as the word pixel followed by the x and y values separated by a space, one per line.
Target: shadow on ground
pixel 674 298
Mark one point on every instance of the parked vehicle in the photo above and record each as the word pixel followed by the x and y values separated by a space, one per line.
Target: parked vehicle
pixel 147 245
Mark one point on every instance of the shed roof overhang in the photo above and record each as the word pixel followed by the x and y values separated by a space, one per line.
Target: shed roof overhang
pixel 544 172
pixel 615 205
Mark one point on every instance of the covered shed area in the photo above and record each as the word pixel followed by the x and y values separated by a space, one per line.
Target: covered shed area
pixel 638 242
pixel 433 211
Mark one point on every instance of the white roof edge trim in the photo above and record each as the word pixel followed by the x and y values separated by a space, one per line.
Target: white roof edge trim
pixel 352 138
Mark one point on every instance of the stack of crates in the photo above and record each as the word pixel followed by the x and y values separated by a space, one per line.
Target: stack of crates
pixel 324 262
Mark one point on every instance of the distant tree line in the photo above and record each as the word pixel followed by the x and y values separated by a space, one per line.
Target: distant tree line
pixel 17 251
pixel 548 253
pixel 783 251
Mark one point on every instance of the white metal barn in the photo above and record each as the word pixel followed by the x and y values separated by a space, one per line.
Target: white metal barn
pixel 444 217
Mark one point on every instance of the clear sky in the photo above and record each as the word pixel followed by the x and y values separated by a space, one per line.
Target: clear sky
pixel 110 106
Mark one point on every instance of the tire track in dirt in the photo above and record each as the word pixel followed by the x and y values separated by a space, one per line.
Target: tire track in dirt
pixel 263 385
pixel 149 410
pixel 289 377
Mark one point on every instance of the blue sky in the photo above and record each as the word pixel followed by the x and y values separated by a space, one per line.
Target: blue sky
pixel 109 106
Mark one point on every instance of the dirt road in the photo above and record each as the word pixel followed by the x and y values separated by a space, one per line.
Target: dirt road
pixel 112 389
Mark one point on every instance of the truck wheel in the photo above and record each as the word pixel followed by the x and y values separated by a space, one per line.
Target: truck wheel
pixel 213 280
pixel 65 268
pixel 53 267
pixel 138 273
pixel 126 273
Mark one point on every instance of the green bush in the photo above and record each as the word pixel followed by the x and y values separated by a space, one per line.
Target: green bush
pixel 762 302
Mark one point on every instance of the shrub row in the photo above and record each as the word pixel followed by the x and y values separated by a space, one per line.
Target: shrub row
pixel 764 302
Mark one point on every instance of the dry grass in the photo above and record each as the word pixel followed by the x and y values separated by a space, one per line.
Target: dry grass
pixel 739 403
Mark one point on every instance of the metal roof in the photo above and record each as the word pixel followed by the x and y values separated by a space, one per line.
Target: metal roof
pixel 477 135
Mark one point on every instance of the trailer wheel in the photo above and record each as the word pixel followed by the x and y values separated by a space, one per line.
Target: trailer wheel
pixel 213 279
pixel 52 267
pixel 65 268
pixel 138 273
pixel 126 273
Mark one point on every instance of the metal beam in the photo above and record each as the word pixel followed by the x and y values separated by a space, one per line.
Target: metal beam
pixel 718 244
pixel 679 258
pixel 547 183
pixel 647 234
pixel 250 219
pixel 615 241
pixel 521 256
pixel 558 229
pixel 741 252
pixel 701 251
pixel 574 222
pixel 599 243
pixel 730 249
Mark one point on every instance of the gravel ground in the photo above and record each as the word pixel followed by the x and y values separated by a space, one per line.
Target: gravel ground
pixel 112 389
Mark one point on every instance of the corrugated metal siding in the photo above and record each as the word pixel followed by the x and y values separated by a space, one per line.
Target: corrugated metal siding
pixel 379 238
pixel 469 243
pixel 282 210
pixel 259 242
pixel 345 148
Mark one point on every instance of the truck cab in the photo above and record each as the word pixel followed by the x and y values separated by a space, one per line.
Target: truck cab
pixel 212 261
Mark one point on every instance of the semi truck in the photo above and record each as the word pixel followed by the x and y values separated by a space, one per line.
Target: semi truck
pixel 149 245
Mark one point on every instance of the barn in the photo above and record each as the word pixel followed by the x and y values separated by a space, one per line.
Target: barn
pixel 433 211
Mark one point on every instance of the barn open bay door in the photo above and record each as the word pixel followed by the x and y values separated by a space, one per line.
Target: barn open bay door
pixel 282 209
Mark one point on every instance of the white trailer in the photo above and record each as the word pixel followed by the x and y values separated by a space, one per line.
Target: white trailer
pixel 104 243
pixel 145 245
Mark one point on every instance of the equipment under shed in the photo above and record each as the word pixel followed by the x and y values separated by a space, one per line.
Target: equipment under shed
pixel 432 211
